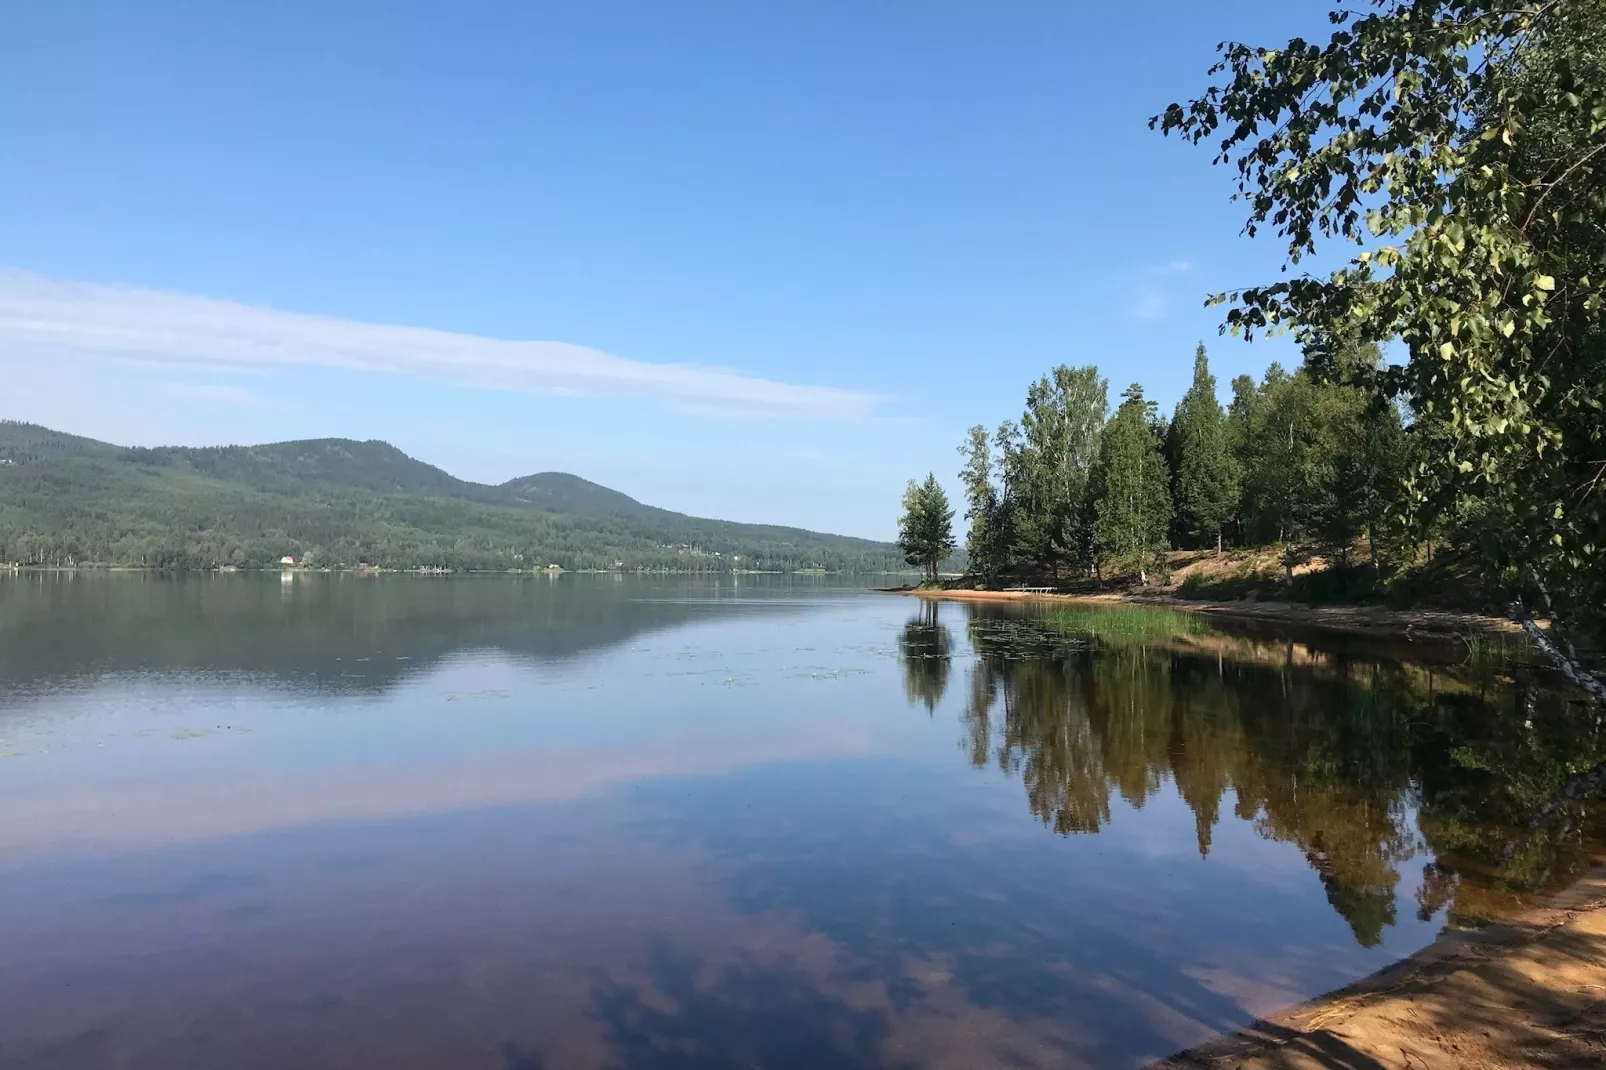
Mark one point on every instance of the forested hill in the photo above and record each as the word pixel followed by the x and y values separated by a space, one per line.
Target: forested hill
pixel 339 502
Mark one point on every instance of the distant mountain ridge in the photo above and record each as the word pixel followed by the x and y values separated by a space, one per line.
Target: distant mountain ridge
pixel 335 502
pixel 560 492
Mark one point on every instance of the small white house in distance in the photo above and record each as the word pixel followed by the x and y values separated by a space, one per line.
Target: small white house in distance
pixel 287 560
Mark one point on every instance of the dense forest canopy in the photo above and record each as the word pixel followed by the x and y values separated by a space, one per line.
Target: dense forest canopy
pixel 66 500
pixel 1299 459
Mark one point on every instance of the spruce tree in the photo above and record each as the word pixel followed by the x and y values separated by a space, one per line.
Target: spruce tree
pixel 1373 448
pixel 1240 446
pixel 984 542
pixel 1295 434
pixel 1131 501
pixel 1207 475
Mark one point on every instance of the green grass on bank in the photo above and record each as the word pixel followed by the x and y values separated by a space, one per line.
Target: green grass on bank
pixel 1123 623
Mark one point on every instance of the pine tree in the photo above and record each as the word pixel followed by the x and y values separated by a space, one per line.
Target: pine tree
pixel 925 531
pixel 1207 474
pixel 1372 448
pixel 1294 438
pixel 1009 520
pixel 984 542
pixel 1132 503
pixel 1240 446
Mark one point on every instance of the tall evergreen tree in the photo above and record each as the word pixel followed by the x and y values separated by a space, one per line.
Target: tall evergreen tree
pixel 1132 503
pixel 1372 448
pixel 1371 471
pixel 985 540
pixel 1207 474
pixel 1171 449
pixel 925 531
pixel 1293 446
pixel 1010 461
pixel 1240 442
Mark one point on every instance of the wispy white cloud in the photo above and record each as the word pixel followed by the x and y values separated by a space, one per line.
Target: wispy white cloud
pixel 168 328
pixel 1173 267
pixel 1150 305
pixel 214 393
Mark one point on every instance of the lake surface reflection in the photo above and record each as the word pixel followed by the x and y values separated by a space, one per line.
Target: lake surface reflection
pixel 669 822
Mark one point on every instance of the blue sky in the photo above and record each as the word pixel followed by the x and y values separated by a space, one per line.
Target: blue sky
pixel 790 250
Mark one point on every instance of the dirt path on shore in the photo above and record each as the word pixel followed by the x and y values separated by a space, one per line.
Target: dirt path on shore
pixel 1527 993
pixel 1373 621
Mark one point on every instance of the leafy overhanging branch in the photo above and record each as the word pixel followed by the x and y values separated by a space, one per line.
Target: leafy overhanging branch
pixel 1460 146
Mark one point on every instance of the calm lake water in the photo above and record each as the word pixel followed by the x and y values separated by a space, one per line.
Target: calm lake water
pixel 656 823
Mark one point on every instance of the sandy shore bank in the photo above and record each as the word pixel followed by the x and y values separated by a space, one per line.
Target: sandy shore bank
pixel 1527 993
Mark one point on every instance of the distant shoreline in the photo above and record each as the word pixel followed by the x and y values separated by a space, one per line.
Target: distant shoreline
pixel 298 571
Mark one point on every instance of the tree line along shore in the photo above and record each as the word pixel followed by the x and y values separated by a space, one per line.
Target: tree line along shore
pixel 1446 161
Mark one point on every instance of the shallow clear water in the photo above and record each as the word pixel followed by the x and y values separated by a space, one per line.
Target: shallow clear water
pixel 673 822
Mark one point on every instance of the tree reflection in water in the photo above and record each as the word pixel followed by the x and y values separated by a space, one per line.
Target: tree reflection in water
pixel 1365 763
pixel 926 650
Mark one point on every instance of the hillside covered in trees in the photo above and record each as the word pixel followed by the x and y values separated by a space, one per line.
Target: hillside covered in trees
pixel 66 500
